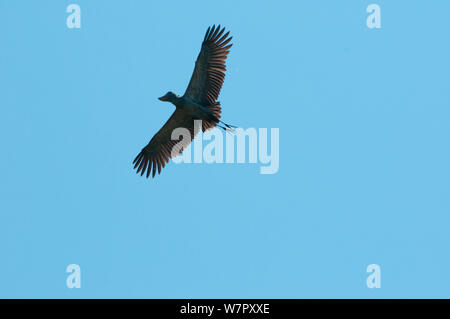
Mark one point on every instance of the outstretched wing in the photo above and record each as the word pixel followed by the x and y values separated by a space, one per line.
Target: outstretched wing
pixel 209 71
pixel 161 147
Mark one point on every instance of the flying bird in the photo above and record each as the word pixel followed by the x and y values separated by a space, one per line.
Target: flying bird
pixel 199 102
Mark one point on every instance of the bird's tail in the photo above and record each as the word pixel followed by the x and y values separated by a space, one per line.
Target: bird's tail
pixel 215 114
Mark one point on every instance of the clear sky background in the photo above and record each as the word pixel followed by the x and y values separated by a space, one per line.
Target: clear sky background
pixel 364 151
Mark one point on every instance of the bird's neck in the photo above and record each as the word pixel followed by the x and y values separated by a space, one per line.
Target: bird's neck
pixel 177 101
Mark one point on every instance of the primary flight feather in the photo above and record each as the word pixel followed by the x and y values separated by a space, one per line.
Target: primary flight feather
pixel 199 102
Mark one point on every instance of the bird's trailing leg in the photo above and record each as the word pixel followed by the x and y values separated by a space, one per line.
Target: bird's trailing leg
pixel 227 127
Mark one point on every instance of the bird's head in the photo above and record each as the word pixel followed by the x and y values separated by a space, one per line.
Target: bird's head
pixel 169 97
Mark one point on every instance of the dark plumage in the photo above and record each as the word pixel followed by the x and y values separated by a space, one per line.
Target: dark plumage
pixel 199 102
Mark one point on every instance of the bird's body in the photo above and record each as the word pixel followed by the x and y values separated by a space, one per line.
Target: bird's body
pixel 199 102
pixel 191 107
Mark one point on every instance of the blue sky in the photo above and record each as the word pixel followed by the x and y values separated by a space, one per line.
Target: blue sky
pixel 364 177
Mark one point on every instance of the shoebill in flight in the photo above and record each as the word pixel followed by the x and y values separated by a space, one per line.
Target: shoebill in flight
pixel 199 102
